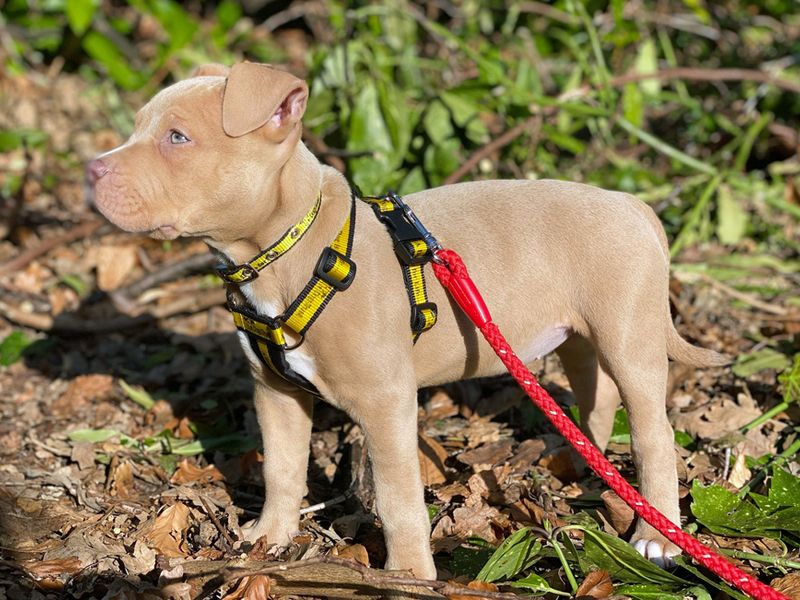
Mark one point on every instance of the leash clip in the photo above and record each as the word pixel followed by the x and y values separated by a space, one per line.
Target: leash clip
pixel 433 244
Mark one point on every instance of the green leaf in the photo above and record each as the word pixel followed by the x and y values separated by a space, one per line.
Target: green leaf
pixel 517 553
pixel 80 14
pixel 647 62
pixel 18 138
pixel 12 347
pixel 437 122
pixel 75 282
pixel 732 219
pixel 784 488
pixel 623 562
pixel 105 52
pixel 532 582
pixel 138 395
pixel 633 104
pixel 760 360
pixel 646 591
pixel 469 561
pixel 95 435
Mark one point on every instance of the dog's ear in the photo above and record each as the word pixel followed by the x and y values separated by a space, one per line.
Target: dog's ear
pixel 258 96
pixel 213 69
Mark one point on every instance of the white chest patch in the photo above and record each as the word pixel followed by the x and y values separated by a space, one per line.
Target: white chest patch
pixel 299 360
pixel 545 343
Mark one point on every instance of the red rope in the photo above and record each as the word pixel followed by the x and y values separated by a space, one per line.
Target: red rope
pixel 453 275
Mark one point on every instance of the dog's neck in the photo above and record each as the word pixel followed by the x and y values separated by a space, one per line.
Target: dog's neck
pixel 290 194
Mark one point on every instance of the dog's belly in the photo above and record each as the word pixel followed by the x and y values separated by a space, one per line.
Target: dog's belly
pixel 544 343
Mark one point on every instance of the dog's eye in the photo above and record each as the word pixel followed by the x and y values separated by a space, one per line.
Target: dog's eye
pixel 176 137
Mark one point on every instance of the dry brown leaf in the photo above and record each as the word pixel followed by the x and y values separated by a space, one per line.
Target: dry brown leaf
pixel 82 390
pixel 167 535
pixel 431 460
pixel 788 585
pixel 48 573
pixel 114 264
pixel 740 474
pixel 476 521
pixel 356 552
pixel 254 587
pixel 83 454
pixel 596 585
pixel 620 514
pixel 561 466
pixel 188 472
pixel 440 406
pixel 122 486
pixel 482 586
pixel 487 455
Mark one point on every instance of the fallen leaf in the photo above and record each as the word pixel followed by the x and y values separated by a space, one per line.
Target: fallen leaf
pixel 114 264
pixel 83 454
pixel 739 474
pixel 82 390
pixel 487 455
pixel 482 586
pixel 788 585
pixel 167 535
pixel 431 460
pixel 597 584
pixel 48 574
pixel 356 552
pixel 254 587
pixel 188 472
pixel 620 514
pixel 122 485
pixel 561 466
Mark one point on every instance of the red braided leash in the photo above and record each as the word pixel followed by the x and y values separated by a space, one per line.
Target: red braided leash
pixel 452 274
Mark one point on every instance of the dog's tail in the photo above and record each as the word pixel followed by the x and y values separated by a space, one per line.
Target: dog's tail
pixel 680 350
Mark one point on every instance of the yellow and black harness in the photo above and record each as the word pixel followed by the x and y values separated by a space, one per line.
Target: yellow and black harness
pixel 334 272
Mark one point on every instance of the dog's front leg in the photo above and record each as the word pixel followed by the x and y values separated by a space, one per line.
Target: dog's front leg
pixel 389 420
pixel 285 421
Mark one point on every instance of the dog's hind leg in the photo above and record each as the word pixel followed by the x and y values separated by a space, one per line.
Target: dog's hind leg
pixel 595 392
pixel 634 353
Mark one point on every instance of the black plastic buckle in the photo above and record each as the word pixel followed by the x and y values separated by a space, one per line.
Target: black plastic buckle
pixel 326 262
pixel 402 231
pixel 418 319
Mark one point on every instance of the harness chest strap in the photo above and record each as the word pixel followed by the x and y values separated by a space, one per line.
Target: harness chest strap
pixel 334 272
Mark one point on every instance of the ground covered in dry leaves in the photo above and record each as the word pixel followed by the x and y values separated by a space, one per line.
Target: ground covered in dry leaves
pixel 129 445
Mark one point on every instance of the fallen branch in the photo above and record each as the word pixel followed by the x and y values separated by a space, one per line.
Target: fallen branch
pixel 691 74
pixel 750 299
pixel 196 263
pixel 531 123
pixel 79 231
pixel 334 577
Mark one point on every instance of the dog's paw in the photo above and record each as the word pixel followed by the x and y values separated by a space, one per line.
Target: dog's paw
pixel 657 551
pixel 251 531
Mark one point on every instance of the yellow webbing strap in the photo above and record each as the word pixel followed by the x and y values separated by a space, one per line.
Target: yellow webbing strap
pixel 334 269
pixel 249 270
pixel 423 312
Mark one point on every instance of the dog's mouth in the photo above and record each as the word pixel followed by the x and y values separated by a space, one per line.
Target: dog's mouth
pixel 164 232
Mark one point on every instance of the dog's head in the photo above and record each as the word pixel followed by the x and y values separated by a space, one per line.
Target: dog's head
pixel 200 148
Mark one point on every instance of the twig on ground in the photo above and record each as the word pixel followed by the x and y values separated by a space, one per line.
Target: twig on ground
pixel 383 580
pixel 324 505
pixel 196 263
pixel 211 515
pixel 750 299
pixel 691 74
pixel 79 231
pixel 530 124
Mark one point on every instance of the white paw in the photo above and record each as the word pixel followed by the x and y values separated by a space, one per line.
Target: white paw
pixel 659 552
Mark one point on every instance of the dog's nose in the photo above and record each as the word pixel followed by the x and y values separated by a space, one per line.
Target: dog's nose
pixel 95 170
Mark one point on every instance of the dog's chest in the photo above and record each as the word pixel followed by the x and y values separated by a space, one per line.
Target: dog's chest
pixel 299 360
